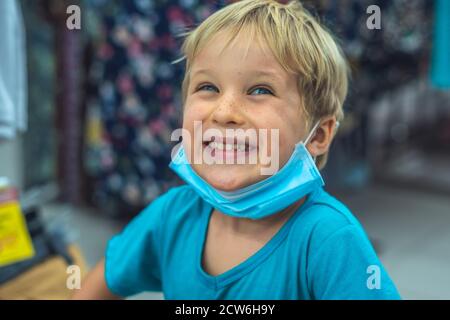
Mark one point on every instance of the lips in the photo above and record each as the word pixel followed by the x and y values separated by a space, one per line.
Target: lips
pixel 227 146
pixel 230 148
pixel 223 144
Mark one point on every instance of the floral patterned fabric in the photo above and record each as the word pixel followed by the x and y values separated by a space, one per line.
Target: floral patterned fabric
pixel 135 100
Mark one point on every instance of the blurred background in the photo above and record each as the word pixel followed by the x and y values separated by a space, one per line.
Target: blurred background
pixel 86 116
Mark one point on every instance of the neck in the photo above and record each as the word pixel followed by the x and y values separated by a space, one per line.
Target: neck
pixel 245 226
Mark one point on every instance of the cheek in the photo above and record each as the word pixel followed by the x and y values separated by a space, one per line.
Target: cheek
pixel 188 124
pixel 287 124
pixel 286 146
pixel 193 120
pixel 188 130
pixel 288 135
pixel 195 110
pixel 278 142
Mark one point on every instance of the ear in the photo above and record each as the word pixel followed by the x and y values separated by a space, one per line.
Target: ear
pixel 322 138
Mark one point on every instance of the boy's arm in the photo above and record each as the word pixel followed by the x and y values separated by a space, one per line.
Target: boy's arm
pixel 94 286
pixel 131 258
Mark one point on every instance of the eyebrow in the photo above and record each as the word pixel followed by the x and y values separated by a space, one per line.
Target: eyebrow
pixel 256 73
pixel 201 71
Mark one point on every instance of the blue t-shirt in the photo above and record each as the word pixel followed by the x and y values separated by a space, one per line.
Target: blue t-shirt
pixel 321 252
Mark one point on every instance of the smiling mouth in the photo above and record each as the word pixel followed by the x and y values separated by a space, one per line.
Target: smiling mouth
pixel 220 146
pixel 223 149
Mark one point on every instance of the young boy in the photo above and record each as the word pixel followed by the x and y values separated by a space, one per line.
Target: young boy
pixel 235 231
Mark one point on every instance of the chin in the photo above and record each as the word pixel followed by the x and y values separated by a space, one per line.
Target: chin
pixel 226 179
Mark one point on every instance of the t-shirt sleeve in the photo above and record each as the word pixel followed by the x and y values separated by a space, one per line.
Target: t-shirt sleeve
pixel 345 266
pixel 132 258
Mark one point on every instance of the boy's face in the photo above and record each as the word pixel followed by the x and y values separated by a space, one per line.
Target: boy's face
pixel 231 94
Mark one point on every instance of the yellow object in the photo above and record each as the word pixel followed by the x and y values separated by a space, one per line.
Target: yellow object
pixel 44 281
pixel 15 241
pixel 94 131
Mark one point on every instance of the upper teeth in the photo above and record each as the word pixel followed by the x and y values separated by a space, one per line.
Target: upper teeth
pixel 226 146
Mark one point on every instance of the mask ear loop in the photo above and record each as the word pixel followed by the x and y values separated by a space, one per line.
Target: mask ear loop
pixel 313 131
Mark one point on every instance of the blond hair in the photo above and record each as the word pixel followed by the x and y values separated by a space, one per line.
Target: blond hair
pixel 299 43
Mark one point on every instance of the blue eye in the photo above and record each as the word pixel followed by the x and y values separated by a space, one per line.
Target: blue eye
pixel 261 88
pixel 206 86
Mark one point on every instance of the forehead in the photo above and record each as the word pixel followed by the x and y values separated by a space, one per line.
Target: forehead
pixel 244 51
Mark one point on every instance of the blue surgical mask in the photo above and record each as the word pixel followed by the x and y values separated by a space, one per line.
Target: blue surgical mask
pixel 296 179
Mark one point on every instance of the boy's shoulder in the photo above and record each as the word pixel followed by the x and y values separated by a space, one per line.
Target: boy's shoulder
pixel 324 216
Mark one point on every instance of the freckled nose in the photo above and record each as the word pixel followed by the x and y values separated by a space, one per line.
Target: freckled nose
pixel 228 113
